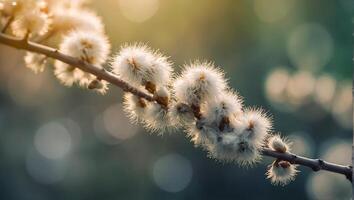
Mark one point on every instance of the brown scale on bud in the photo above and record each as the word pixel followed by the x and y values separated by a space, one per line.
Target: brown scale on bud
pixel 277 144
pixel 202 77
pixel 163 101
pixel 281 163
pixel 141 102
pixel 250 126
pixel 224 122
pixel 196 111
pixel 281 149
pixel 85 57
pixel 43 7
pixel 149 86
pixel 133 64
pixel 86 44
pixel 70 68
pixel 95 84
pixel 284 164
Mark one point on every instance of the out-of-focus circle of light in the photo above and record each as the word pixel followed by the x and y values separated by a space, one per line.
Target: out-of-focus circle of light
pixel 117 124
pixel 272 10
pixel 310 46
pixel 74 129
pixel 138 10
pixel 324 185
pixel 342 106
pixel 101 133
pixel 276 84
pixel 26 89
pixel 46 171
pixel 302 144
pixel 337 151
pixel 324 90
pixel 300 87
pixel 172 173
pixel 52 140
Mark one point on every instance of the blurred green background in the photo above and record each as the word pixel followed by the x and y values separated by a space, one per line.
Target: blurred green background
pixel 68 143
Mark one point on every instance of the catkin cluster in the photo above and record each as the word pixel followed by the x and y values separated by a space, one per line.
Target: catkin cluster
pixel 197 100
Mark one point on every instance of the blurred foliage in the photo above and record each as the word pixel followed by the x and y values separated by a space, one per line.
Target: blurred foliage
pixel 67 143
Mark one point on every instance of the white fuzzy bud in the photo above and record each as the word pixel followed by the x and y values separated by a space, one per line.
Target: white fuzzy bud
pixel 181 113
pixel 84 78
pixel 7 8
pixel 65 20
pixel 225 106
pixel 276 143
pixel 134 107
pixel 200 134
pixel 66 74
pixel 281 172
pixel 138 65
pixel 89 47
pixel 35 62
pixel 30 22
pixel 99 86
pixel 198 83
pixel 14 7
pixel 162 92
pixel 226 146
pixel 247 153
pixel 243 140
pixel 158 119
pixel 255 126
pixel 229 147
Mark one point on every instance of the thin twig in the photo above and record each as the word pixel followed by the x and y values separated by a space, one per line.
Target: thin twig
pixel 8 23
pixel 54 53
pixel 314 164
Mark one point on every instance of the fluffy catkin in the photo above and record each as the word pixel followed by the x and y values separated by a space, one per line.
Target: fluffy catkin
pixel 139 65
pixel 281 172
pixel 199 82
pixel 91 48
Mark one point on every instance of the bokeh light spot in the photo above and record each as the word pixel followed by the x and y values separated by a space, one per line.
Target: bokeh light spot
pixel 324 185
pixel 45 171
pixel 324 90
pixel 302 144
pixel 112 125
pixel 310 46
pixel 276 83
pixel 52 140
pixel 172 173
pixel 300 87
pixel 342 107
pixel 138 10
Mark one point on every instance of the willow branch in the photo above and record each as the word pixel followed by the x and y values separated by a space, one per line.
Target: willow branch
pixel 54 53
pixel 314 164
pixel 7 24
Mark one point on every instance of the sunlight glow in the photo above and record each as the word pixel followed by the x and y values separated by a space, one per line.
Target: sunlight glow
pixel 138 10
pixel 272 10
